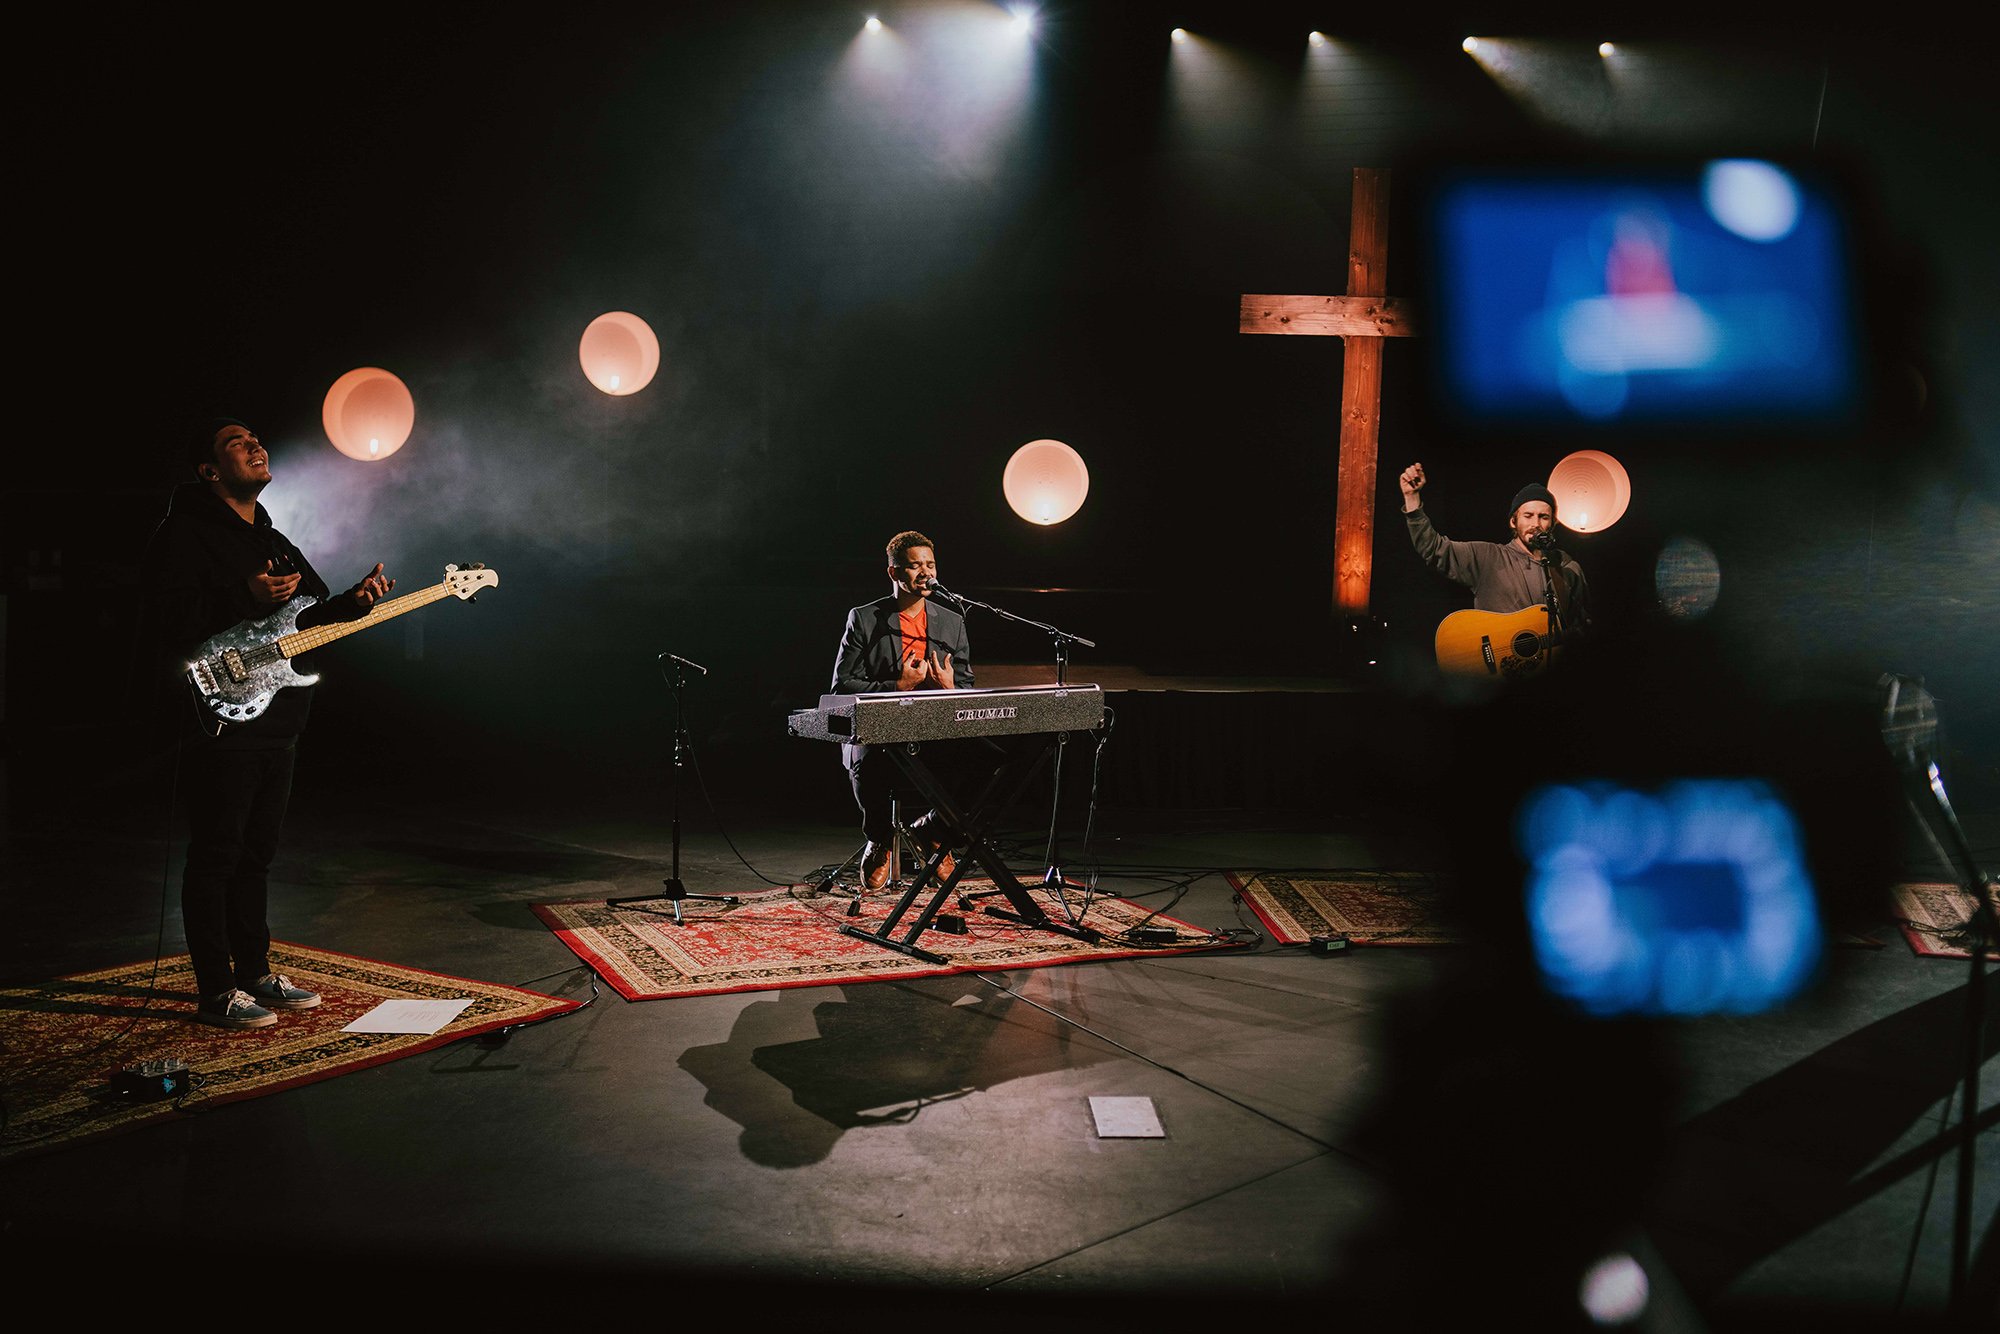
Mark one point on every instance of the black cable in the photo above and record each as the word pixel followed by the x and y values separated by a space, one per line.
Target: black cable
pixel 498 1035
pixel 1096 781
pixel 152 982
pixel 702 781
pixel 1924 1205
pixel 1094 872
pixel 560 972
pixel 166 882
pixel 1178 892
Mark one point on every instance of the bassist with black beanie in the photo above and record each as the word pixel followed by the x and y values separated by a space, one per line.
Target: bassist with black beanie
pixel 216 561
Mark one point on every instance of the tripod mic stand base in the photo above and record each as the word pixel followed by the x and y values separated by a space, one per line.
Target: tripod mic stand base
pixel 674 892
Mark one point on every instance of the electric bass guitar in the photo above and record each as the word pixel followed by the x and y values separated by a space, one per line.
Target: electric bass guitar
pixel 1497 644
pixel 235 675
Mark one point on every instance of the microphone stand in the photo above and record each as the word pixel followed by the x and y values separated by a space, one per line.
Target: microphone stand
pixel 1542 553
pixel 1910 728
pixel 675 892
pixel 1053 877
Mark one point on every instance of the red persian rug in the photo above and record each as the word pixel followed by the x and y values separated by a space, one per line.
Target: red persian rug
pixel 790 938
pixel 64 1042
pixel 1937 918
pixel 1368 907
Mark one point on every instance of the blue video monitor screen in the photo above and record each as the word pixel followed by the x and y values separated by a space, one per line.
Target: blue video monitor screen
pixel 1714 292
pixel 1690 899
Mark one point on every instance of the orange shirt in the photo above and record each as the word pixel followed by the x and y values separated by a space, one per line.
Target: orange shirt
pixel 914 625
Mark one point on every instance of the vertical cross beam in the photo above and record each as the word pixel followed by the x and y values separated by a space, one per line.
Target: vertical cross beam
pixel 1360 399
pixel 1362 319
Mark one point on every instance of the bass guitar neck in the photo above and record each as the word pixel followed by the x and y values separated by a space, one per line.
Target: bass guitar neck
pixel 237 674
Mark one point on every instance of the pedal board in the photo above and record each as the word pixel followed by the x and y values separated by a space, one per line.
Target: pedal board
pixel 152 1081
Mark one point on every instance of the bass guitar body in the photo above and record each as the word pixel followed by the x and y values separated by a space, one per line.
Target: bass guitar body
pixel 237 674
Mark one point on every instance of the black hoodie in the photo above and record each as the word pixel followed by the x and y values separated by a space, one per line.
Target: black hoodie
pixel 198 567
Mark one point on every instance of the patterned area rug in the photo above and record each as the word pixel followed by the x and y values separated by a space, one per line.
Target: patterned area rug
pixel 1368 907
pixel 1936 918
pixel 789 939
pixel 1387 908
pixel 62 1043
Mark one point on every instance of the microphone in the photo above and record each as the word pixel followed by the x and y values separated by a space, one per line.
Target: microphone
pixel 1541 542
pixel 675 657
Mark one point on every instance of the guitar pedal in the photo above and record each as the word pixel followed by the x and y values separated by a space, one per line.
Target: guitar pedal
pixel 152 1081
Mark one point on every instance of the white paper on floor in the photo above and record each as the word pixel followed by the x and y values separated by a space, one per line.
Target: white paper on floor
pixel 409 1016
pixel 1126 1118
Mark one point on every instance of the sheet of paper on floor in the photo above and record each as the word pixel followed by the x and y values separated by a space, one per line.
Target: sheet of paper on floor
pixel 409 1016
pixel 1126 1118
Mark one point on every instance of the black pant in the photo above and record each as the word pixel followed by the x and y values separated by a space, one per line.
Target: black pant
pixel 236 805
pixel 962 767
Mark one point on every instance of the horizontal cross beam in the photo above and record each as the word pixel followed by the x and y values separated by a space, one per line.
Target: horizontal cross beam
pixel 1376 316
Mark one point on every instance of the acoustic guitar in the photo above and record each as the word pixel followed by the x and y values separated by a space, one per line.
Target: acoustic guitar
pixel 235 675
pixel 1497 644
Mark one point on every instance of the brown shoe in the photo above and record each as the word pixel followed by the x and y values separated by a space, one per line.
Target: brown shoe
pixel 875 865
pixel 931 833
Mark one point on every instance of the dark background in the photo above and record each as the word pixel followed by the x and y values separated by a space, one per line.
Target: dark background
pixel 868 294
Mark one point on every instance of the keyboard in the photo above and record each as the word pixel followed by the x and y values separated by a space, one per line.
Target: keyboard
pixel 895 716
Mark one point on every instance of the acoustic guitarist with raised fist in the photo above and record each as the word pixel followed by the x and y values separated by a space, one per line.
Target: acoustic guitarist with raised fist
pixel 1536 591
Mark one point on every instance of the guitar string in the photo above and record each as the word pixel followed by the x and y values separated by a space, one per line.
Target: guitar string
pixel 304 641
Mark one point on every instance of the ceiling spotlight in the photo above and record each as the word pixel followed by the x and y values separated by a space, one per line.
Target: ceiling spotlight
pixel 1606 49
pixel 1180 34
pixel 873 24
pixel 1316 38
pixel 1469 45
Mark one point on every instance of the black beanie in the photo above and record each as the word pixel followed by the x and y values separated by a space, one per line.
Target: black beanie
pixel 1532 491
pixel 201 438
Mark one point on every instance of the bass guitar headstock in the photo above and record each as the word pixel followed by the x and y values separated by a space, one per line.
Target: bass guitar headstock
pixel 465 581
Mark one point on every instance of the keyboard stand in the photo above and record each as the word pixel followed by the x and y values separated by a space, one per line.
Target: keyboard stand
pixel 976 822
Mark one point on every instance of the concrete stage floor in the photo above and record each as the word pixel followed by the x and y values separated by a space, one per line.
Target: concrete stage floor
pixel 849 1155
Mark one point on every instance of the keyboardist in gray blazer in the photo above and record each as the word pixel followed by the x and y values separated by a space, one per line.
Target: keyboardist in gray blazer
pixel 905 641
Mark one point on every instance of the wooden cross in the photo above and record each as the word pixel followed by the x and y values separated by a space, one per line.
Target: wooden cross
pixel 1364 317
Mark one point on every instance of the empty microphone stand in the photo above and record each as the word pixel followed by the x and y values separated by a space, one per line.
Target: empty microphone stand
pixel 674 891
